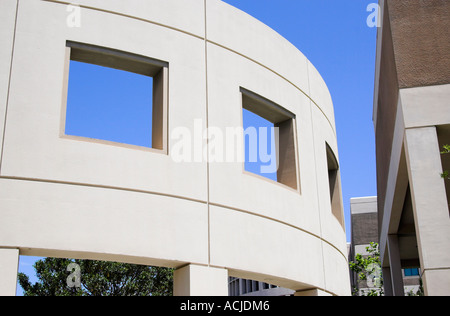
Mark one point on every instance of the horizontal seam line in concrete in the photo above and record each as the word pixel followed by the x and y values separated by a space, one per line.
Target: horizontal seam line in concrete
pixel 279 75
pixel 208 41
pixel 101 186
pixel 420 126
pixel 171 196
pixel 438 268
pixel 39 252
pixel 280 222
pixel 127 16
pixel 9 248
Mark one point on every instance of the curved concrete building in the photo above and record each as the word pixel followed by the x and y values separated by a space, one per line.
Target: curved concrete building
pixel 78 197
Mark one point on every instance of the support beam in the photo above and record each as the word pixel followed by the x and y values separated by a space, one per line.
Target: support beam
pixel 195 280
pixel 430 208
pixel 387 282
pixel 9 264
pixel 395 266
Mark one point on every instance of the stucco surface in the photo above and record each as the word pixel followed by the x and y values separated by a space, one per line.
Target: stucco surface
pixel 63 196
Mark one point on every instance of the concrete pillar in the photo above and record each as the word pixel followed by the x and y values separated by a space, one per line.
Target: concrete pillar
pixel 9 264
pixel 430 208
pixel 387 282
pixel 395 266
pixel 195 280
pixel 313 292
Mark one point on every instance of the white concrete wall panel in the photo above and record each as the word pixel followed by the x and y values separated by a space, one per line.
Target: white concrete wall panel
pixel 434 113
pixel 186 16
pixel 7 26
pixel 85 220
pixel 34 120
pixel 61 196
pixel 244 242
pixel 331 229
pixel 320 94
pixel 335 270
pixel 236 30
pixel 9 263
pixel 229 184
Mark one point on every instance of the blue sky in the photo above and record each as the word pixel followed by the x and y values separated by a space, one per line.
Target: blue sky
pixel 332 34
pixel 128 116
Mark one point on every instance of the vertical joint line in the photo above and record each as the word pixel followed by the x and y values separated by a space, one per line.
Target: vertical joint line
pixel 9 84
pixel 311 107
pixel 207 139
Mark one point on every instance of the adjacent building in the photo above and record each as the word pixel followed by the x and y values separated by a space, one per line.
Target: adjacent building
pixel 364 225
pixel 412 122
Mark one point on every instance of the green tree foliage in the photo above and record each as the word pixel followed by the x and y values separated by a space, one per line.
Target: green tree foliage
pixel 420 291
pixel 368 268
pixel 446 150
pixel 98 278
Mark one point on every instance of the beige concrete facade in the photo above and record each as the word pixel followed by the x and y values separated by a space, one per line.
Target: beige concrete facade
pixel 75 197
pixel 9 264
pixel 412 119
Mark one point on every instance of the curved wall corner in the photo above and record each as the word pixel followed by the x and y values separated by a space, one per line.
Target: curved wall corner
pixel 68 197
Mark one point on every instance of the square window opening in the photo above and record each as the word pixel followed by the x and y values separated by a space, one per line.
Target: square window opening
pixel 269 139
pixel 334 186
pixel 116 97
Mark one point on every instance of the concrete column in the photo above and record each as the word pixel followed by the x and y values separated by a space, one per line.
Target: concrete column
pixel 387 282
pixel 9 264
pixel 430 208
pixel 395 266
pixel 313 292
pixel 195 280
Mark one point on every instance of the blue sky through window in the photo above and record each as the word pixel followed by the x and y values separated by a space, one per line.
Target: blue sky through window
pixel 251 120
pixel 109 104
